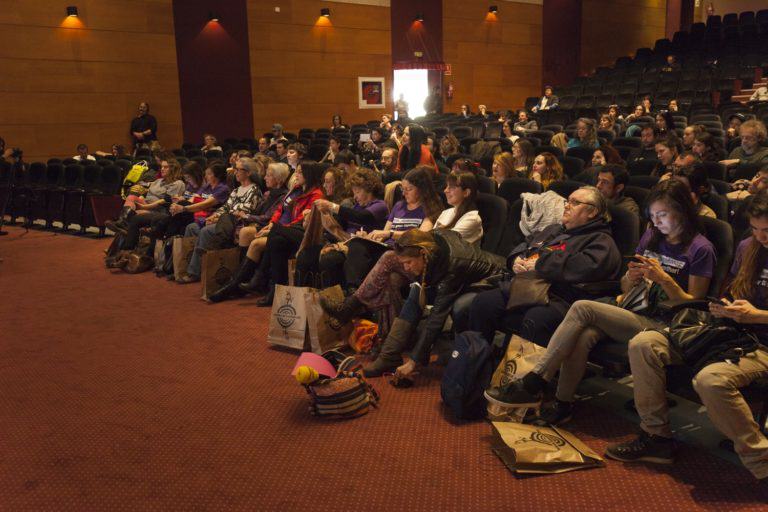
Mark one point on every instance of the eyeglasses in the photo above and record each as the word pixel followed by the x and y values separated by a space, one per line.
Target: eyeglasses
pixel 575 202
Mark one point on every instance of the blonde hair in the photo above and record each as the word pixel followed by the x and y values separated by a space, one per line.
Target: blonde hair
pixel 560 141
pixel 506 161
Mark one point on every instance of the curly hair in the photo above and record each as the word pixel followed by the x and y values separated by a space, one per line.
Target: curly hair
pixel 368 180
pixel 341 189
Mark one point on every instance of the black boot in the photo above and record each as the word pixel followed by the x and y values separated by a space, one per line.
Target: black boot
pixel 232 288
pixel 390 356
pixel 120 225
pixel 267 300
pixel 257 284
pixel 342 311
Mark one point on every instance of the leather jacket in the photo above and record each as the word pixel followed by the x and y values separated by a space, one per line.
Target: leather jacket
pixel 452 270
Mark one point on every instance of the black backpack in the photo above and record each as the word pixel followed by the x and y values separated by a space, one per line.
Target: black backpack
pixel 466 376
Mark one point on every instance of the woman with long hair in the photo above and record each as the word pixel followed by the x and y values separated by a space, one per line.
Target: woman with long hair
pixel 414 151
pixel 522 152
pixel 279 240
pixel 708 147
pixel 745 302
pixel 586 134
pixel 503 167
pixel 335 186
pixel 546 169
pixel 672 255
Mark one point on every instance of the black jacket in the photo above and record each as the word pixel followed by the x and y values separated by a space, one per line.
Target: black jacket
pixel 455 267
pixel 570 257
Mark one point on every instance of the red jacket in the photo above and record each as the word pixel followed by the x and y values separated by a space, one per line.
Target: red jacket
pixel 301 203
pixel 425 158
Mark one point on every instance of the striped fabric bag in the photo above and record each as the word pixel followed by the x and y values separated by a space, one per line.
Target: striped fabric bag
pixel 347 395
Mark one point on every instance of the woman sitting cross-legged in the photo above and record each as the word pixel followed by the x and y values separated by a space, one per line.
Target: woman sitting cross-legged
pixel 380 290
pixel 419 208
pixel 716 383
pixel 275 178
pixel 243 201
pixel 444 266
pixel 673 256
pixel 154 202
pixel 279 240
pixel 144 211
pixel 368 213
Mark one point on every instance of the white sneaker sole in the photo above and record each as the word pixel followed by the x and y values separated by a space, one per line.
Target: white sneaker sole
pixel 505 404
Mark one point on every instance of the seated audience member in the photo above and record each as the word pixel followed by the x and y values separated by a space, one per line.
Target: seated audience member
pixel 443 266
pixel 647 107
pixel 397 135
pixel 734 123
pixel 760 94
pixel 264 148
pixel 717 383
pixel 449 146
pixel 672 254
pixel 389 172
pixel 671 65
pixel 742 189
pixel 608 123
pixel 275 180
pixel 336 123
pixel 750 151
pixel 465 112
pixel 504 167
pixel 560 141
pixel 672 106
pixel 611 180
pixel 419 208
pixel 346 161
pixel 370 150
pixel 334 148
pixel 586 134
pixel 667 150
pixel 647 151
pixel 199 205
pixel 546 169
pixel 695 177
pixel 386 122
pixel 281 151
pixel 690 133
pixel 277 135
pixel 335 186
pixel 578 250
pixel 633 121
pixel 509 132
pixel 548 101
pixel 413 152
pixel 462 164
pixel 665 124
pixel 484 114
pixel 708 148
pixel 606 155
pixel 524 124
pixel 242 202
pixel 139 212
pixel 210 143
pixel 294 154
pixel 523 153
pixel 279 240
pixel 83 155
pixel 118 151
pixel 366 213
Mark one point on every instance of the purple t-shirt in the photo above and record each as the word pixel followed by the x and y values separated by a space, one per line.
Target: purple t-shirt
pixel 698 259
pixel 220 192
pixel 378 209
pixel 403 219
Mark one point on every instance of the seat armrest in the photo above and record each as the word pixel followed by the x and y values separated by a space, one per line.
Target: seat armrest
pixel 671 307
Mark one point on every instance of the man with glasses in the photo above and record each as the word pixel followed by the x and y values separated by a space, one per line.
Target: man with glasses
pixel 751 151
pixel 579 250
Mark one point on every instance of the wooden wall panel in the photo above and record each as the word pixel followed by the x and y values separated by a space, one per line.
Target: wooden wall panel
pixel 613 28
pixel 304 68
pixel 494 61
pixel 68 81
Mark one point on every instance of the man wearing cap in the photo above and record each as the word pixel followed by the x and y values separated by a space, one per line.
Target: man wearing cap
pixel 548 101
pixel 277 134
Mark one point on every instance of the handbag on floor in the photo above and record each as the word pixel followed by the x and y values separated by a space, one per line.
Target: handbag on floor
pixel 348 395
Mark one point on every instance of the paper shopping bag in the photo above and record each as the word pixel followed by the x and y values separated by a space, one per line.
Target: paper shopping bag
pixel 182 254
pixel 288 325
pixel 520 358
pixel 329 333
pixel 218 267
pixel 528 449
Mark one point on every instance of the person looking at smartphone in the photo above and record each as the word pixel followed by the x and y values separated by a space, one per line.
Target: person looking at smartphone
pixel 718 383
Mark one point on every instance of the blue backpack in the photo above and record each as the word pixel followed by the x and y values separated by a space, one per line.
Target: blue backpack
pixel 466 376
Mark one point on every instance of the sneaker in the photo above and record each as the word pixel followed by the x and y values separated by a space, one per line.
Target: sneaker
pixel 512 395
pixel 556 414
pixel 645 447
